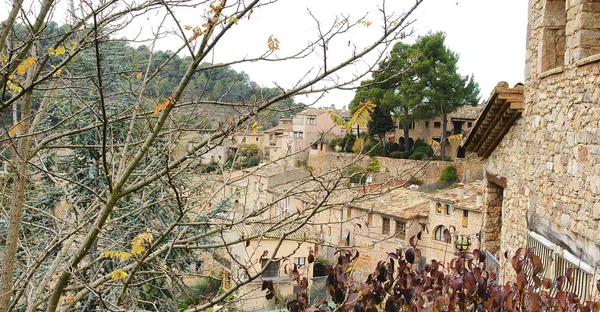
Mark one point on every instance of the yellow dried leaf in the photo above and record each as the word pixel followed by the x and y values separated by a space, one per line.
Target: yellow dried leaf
pixel 14 87
pixel 138 246
pixel 233 20
pixel 138 76
pixel 58 72
pixel 3 58
pixel 14 130
pixel 73 46
pixel 365 23
pixel 115 254
pixel 160 107
pixel 119 274
pixel 30 61
pixel 256 127
pixel 273 43
pixel 456 137
pixel 187 27
pixel 434 143
pixel 59 51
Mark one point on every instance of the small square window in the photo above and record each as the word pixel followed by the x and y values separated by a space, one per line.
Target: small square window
pixel 437 124
pixel 426 124
pixel 469 124
pixel 300 261
pixel 385 226
pixel 400 229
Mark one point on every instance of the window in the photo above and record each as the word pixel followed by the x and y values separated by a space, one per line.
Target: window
pixel 262 187
pixel 426 124
pixel 400 229
pixel 312 120
pixel 272 270
pixel 369 218
pixel 448 209
pixel 385 226
pixel 299 261
pixel 440 208
pixel 465 220
pixel 195 266
pixel 437 124
pixel 551 48
pixel 469 124
pixel 256 186
pixel 349 213
pixel 439 233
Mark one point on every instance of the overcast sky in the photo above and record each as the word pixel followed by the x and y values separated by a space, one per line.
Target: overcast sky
pixel 488 35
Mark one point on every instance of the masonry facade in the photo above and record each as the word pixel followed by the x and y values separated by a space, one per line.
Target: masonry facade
pixel 459 122
pixel 545 168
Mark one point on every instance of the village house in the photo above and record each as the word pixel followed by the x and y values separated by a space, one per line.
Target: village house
pixel 246 189
pixel 460 210
pixel 541 146
pixel 266 252
pixel 275 144
pixel 312 127
pixel 459 122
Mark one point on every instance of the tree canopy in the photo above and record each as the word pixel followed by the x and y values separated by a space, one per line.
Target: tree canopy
pixel 417 81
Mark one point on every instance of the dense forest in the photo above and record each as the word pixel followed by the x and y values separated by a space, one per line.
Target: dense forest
pixel 125 67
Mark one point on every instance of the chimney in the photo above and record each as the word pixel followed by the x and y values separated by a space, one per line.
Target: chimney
pixel 479 200
pixel 460 191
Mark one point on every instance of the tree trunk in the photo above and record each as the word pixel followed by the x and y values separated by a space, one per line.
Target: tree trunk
pixel 16 207
pixel 407 145
pixel 443 138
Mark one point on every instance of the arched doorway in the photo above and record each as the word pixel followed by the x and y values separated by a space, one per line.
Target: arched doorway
pixel 401 142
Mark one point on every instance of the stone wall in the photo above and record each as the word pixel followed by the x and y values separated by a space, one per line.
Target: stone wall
pixel 492 219
pixel 404 169
pixel 550 157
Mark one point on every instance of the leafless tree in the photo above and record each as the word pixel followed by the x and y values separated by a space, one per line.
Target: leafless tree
pixel 139 181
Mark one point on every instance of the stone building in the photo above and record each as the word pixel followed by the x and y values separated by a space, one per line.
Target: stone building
pixel 459 122
pixel 460 210
pixel 276 141
pixel 542 153
pixel 311 127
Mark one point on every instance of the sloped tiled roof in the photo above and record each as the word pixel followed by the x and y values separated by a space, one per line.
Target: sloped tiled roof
pixel 279 128
pixel 400 202
pixel 275 228
pixel 467 112
pixel 468 200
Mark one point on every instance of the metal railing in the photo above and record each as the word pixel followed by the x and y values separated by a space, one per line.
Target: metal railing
pixel 492 265
pixel 556 265
pixel 545 253
pixel 581 279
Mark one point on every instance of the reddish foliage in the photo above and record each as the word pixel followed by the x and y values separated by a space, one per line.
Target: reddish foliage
pixel 466 285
